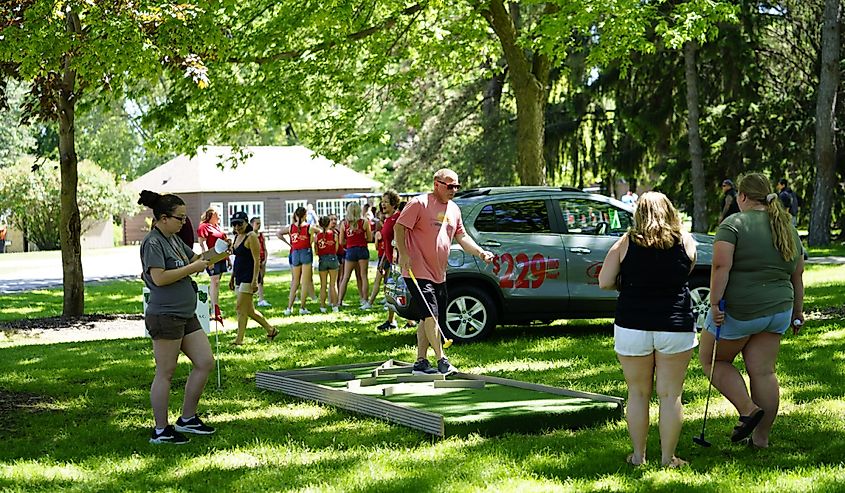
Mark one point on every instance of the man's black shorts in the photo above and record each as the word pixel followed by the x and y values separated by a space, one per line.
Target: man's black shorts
pixel 433 294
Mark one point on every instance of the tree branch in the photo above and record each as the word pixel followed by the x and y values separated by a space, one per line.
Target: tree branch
pixel 356 36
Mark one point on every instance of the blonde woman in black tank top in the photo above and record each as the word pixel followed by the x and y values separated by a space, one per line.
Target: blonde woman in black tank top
pixel 654 330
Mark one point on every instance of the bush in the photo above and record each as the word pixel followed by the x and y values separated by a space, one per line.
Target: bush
pixel 31 195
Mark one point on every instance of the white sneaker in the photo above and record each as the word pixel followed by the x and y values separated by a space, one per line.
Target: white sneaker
pixel 366 305
pixel 263 303
pixel 335 309
pixel 322 309
pixel 287 311
pixel 304 311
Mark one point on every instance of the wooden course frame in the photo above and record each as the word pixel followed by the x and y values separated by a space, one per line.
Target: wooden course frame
pixel 302 383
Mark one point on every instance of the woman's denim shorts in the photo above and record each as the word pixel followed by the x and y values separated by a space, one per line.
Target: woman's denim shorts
pixel 303 256
pixel 737 329
pixel 357 253
pixel 328 262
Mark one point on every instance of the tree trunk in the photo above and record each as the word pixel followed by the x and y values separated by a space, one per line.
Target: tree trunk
pixel 825 132
pixel 699 189
pixel 529 79
pixel 530 131
pixel 69 222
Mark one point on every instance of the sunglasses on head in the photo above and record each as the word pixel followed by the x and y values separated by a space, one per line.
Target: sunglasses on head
pixel 450 186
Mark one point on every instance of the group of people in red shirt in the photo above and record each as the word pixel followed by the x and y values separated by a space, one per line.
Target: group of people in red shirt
pixel 343 251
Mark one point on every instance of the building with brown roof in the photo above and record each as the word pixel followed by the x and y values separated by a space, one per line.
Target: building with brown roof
pixel 269 182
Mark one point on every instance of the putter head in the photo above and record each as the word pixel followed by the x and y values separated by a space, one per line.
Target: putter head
pixel 447 344
pixel 699 440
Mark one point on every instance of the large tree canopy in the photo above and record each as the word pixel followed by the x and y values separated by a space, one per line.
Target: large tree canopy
pixel 79 50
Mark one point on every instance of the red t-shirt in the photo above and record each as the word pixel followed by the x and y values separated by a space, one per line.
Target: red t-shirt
pixel 431 225
pixel 341 249
pixel 387 235
pixel 262 245
pixel 326 242
pixel 210 234
pixel 299 237
pixel 355 237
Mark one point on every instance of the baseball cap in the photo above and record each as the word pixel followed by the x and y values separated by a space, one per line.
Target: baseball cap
pixel 727 182
pixel 239 217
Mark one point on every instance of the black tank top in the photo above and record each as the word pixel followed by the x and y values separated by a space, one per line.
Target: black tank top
pixel 654 291
pixel 244 264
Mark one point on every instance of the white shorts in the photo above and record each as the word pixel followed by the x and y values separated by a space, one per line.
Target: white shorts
pixel 631 342
pixel 245 287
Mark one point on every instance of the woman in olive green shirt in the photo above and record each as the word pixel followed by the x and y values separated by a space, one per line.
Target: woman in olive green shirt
pixel 757 268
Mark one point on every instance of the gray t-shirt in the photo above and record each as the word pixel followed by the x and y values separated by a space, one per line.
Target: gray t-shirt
pixel 178 298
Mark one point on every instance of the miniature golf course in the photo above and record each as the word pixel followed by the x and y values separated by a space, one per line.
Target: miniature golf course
pixel 458 404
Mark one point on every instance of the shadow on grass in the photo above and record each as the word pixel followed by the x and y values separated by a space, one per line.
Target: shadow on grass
pixel 96 423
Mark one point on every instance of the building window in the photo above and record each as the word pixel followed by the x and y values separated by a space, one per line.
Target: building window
pixel 252 209
pixel 291 206
pixel 217 206
pixel 334 206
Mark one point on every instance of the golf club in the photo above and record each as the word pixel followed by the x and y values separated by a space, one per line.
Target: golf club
pixel 218 319
pixel 699 440
pixel 447 342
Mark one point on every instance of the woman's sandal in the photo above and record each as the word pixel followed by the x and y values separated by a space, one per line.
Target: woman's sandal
pixel 272 335
pixel 676 463
pixel 630 461
pixel 746 425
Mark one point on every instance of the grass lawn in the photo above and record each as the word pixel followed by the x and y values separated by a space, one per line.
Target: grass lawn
pixel 83 417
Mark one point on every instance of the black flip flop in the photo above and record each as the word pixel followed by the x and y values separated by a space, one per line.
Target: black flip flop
pixel 748 423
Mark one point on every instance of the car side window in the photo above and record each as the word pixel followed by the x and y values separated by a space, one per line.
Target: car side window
pixel 529 216
pixel 588 216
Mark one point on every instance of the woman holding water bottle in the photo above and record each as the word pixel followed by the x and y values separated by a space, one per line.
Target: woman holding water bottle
pixel 757 269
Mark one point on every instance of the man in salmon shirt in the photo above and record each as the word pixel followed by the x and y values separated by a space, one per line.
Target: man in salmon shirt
pixel 424 233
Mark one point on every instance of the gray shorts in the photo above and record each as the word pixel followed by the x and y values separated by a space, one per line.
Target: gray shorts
pixel 737 329
pixel 328 262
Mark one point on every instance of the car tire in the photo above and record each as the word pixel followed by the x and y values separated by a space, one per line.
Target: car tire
pixel 700 294
pixel 471 314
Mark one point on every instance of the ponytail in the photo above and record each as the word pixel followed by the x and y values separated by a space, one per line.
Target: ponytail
pixel 781 223
pixel 757 187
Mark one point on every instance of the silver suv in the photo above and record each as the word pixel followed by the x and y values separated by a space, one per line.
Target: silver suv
pixel 549 244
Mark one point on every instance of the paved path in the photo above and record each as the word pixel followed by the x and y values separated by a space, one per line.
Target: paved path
pixel 38 270
pixel 29 271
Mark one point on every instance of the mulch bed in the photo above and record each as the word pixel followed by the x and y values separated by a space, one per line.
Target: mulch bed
pixel 90 321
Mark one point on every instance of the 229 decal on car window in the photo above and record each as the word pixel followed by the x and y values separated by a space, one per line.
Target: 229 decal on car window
pixel 521 272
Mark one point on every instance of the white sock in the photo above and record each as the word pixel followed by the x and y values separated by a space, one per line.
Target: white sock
pixel 159 431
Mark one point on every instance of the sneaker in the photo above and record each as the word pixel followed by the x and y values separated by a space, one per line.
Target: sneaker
pixel 193 425
pixel 263 303
pixel 322 309
pixel 335 309
pixel 366 305
pixel 387 326
pixel 169 435
pixel 423 367
pixel 444 367
pixel 287 311
pixel 304 311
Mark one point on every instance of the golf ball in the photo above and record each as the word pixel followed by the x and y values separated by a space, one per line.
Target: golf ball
pixel 797 322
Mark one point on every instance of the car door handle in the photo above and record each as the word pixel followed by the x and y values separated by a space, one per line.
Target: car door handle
pixel 491 244
pixel 580 250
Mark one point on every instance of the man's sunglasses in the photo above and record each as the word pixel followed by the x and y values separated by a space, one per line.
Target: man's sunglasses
pixel 450 186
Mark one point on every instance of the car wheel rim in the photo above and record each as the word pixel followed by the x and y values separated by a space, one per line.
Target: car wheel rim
pixel 700 305
pixel 466 317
